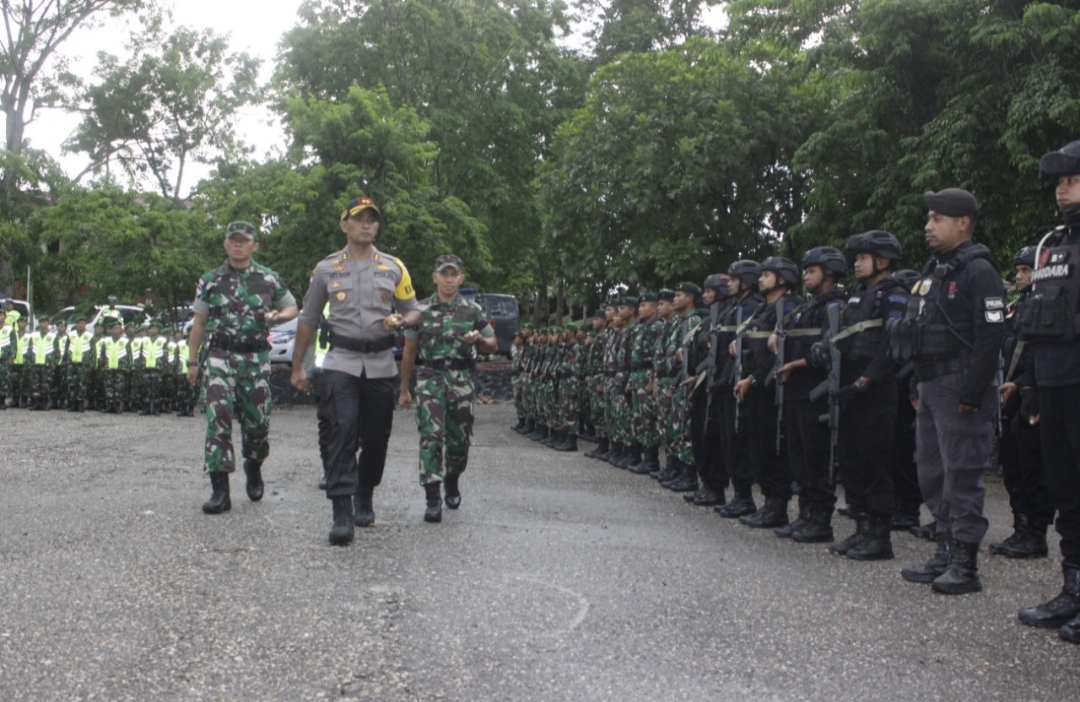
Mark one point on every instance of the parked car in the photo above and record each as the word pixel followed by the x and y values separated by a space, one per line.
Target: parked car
pixel 130 313
pixel 22 308
pixel 282 341
pixel 504 315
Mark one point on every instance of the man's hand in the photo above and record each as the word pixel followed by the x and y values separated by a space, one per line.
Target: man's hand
pixel 742 387
pixel 784 373
pixel 192 375
pixel 299 380
pixel 774 343
pixel 968 409
pixel 405 399
pixel 393 322
pixel 474 337
pixel 1008 392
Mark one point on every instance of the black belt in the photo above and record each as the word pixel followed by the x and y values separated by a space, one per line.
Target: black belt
pixel 449 364
pixel 936 369
pixel 232 345
pixel 349 344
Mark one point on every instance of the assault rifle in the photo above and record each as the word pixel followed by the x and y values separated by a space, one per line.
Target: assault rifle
pixel 714 313
pixel 781 335
pixel 831 385
pixel 737 370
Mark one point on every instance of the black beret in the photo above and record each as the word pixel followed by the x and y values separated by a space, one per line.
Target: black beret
pixel 952 202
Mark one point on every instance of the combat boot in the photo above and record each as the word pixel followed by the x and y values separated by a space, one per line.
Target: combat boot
pixel 772 514
pixel 739 506
pixel 601 448
pixel 687 480
pixel 877 546
pixel 905 517
pixel 145 411
pixel 453 492
pixel 862 527
pixel 928 532
pixel 1028 540
pixel 817 528
pixel 520 424
pixel 433 513
pixel 549 438
pixel 633 464
pixel 614 454
pixel 530 426
pixel 1070 631
pixel 219 497
pixel 538 432
pixel 253 471
pixel 342 533
pixel 933 568
pixel 362 508
pixel 705 497
pixel 1059 611
pixel 569 443
pixel 642 466
pixel 73 406
pixel 670 471
pixel 652 459
pixel 786 531
pixel 50 404
pixel 961 576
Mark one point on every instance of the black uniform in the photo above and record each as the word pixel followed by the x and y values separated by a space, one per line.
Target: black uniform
pixel 705 415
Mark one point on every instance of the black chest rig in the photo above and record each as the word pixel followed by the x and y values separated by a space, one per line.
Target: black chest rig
pixel 926 333
pixel 1049 313
pixel 861 329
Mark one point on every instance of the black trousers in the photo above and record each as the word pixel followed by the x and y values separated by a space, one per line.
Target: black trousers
pixel 905 470
pixel 361 413
pixel 322 416
pixel 736 445
pixel 866 444
pixel 771 469
pixel 808 451
pixel 1020 453
pixel 1059 429
pixel 705 439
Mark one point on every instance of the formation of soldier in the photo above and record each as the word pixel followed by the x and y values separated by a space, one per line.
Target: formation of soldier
pixel 111 368
pixel 744 381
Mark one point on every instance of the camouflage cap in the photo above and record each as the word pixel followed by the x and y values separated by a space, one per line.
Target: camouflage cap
pixel 358 205
pixel 448 261
pixel 245 229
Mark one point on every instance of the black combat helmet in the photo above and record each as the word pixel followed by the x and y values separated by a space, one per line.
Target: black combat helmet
pixel 783 267
pixel 718 283
pixel 1063 162
pixel 828 257
pixel 746 271
pixel 1025 257
pixel 907 277
pixel 878 243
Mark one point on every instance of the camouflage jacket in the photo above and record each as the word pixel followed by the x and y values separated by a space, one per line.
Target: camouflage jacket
pixel 235 301
pixel 442 326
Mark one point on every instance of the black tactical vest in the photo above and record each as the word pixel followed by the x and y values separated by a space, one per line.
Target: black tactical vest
pixel 1049 313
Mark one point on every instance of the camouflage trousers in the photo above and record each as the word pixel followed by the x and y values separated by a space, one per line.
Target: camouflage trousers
pixel 569 404
pixel 518 384
pixel 41 381
pixel 595 400
pixel 680 445
pixel 135 389
pixel 95 389
pixel 621 411
pixel 5 379
pixel 58 384
pixel 444 418
pixel 76 381
pixel 115 386
pixel 644 413
pixel 151 388
pixel 186 395
pixel 548 398
pixel 668 428
pixel 236 382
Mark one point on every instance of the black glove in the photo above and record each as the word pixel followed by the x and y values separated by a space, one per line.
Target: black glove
pixel 1029 402
pixel 847 393
pixel 819 356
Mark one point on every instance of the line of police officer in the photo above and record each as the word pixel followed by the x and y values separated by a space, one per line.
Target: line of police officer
pixel 111 369
pixel 766 388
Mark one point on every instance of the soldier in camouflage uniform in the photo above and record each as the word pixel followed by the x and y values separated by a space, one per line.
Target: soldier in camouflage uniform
pixel 643 381
pixel 153 364
pixel 679 444
pixel 620 399
pixel 114 362
pixel 668 369
pixel 79 360
pixel 58 381
pixel 570 391
pixel 594 382
pixel 450 331
pixel 9 345
pixel 134 390
pixel 237 303
pixel 41 358
pixel 517 380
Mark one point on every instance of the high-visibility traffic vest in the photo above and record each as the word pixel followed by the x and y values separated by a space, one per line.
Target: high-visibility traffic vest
pixel 153 352
pixel 80 345
pixel 40 347
pixel 22 342
pixel 182 357
pixel 114 350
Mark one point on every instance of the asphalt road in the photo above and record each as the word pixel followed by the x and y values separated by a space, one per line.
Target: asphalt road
pixel 559 579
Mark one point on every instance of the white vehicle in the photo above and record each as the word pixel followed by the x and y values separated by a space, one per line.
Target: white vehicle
pixel 282 341
pixel 130 313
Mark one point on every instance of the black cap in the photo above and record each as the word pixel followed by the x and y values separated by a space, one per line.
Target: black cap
pixel 688 288
pixel 629 301
pixel 667 295
pixel 647 297
pixel 952 202
pixel 1063 162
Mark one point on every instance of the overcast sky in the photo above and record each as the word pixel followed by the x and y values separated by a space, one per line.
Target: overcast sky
pixel 252 27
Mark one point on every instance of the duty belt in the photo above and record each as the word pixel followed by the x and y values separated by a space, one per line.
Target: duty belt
pixel 350 344
pixel 936 369
pixel 232 345
pixel 450 364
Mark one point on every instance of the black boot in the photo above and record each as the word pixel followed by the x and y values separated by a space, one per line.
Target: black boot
pixel 569 443
pixel 520 425
pixel 772 514
pixel 73 406
pixel 928 532
pixel 145 411
pixel 687 480
pixel 433 513
pixel 877 546
pixel 362 508
pixel 652 459
pixel 253 471
pixel 739 506
pixel 633 461
pixel 705 497
pixel 961 576
pixel 1027 541
pixel 453 492
pixel 538 432
pixel 342 532
pixel 601 448
pixel 933 568
pixel 862 527
pixel 81 407
pixel 786 531
pixel 1059 611
pixel 906 516
pixel 671 471
pixel 1070 631
pixel 817 528
pixel 642 466
pixel 529 427
pixel 219 498
pixel 50 405
pixel 615 452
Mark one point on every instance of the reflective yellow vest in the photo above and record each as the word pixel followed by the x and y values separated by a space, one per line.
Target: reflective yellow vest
pixel 80 345
pixel 114 352
pixel 22 342
pixel 153 352
pixel 40 348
